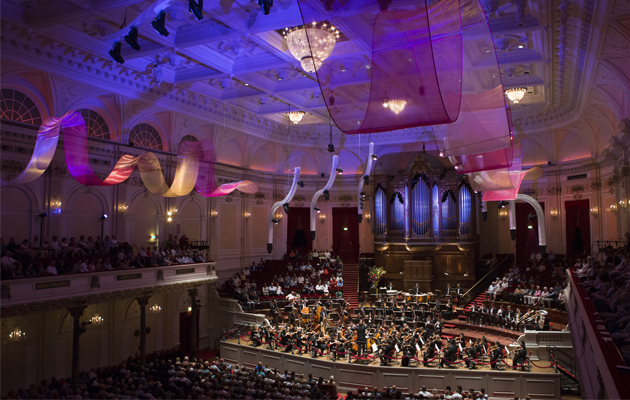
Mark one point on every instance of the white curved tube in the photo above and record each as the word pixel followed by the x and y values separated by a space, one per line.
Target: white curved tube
pixel 331 180
pixel 512 214
pixel 542 241
pixel 368 170
pixel 278 204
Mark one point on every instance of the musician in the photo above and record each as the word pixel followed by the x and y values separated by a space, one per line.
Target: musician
pixel 473 353
pixel 496 354
pixel 459 292
pixel 255 337
pixel 448 313
pixel 449 354
pixel 416 289
pixel 492 314
pixel 518 318
pixel 286 339
pixel 391 286
pixel 430 352
pixel 449 290
pixel 483 315
pixel 509 318
pixel 361 312
pixel 361 338
pixel 387 350
pixel 275 311
pixel 520 356
pixel 474 314
pixel 529 320
pixel 500 318
pixel 293 317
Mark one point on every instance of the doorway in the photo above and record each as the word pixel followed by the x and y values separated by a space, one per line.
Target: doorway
pixel 185 325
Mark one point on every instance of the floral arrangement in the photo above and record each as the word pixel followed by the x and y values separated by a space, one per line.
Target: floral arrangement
pixel 375 274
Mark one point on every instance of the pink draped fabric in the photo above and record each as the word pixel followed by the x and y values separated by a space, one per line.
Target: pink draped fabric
pixel 187 173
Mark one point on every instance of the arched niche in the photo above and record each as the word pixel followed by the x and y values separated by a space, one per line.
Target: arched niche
pixel 189 220
pixel 572 147
pixel 230 153
pixel 143 212
pixel 302 159
pixel 262 160
pixel 534 153
pixel 87 208
pixel 15 212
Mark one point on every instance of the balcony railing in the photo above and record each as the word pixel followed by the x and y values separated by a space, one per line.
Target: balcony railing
pixel 33 290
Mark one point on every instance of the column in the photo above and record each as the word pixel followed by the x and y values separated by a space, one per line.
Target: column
pixel 142 302
pixel 193 321
pixel 77 331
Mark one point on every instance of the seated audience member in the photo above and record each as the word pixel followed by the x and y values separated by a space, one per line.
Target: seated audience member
pixel 51 269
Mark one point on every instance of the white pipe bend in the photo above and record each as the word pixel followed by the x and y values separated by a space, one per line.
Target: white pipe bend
pixel 542 240
pixel 368 170
pixel 331 180
pixel 278 204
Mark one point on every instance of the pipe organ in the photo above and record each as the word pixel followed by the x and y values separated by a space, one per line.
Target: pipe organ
pixel 425 226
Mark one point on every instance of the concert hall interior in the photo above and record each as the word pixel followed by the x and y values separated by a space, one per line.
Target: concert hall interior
pixel 300 199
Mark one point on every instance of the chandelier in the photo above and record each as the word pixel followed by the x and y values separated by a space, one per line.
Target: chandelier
pixel 322 39
pixel 516 94
pixel 295 116
pixel 397 106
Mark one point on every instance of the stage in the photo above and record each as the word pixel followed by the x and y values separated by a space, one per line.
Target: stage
pixel 540 383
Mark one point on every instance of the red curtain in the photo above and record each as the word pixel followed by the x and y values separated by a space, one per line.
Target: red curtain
pixel 526 239
pixel 299 230
pixel 578 228
pixel 346 242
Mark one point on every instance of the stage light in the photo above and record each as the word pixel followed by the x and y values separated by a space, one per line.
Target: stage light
pixel 115 53
pixel 159 24
pixel 43 215
pixel 331 148
pixel 374 157
pixel 196 8
pixel 326 194
pixel 301 183
pixel 275 221
pixel 103 217
pixel 340 171
pixel 317 209
pixel 286 207
pixel 132 38
pixel 362 194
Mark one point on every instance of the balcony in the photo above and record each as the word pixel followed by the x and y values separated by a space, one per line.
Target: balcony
pixel 24 294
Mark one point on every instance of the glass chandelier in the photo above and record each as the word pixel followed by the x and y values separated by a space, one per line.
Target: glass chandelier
pixel 322 38
pixel 397 106
pixel 516 94
pixel 295 116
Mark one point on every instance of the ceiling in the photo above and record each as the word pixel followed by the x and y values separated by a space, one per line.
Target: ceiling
pixel 573 59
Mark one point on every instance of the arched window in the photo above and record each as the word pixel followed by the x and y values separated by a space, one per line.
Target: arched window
pixel 380 221
pixel 187 138
pixel 18 107
pixel 95 124
pixel 144 135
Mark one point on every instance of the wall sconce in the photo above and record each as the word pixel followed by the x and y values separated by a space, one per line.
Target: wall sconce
pixel 155 308
pixel 623 203
pixel 322 217
pixel 170 214
pixel 594 211
pixel 553 213
pixel 214 213
pixel 503 213
pixel 367 216
pixel 152 237
pixel 97 319
pixel 279 216
pixel 247 214
pixel 17 334
pixel 612 208
pixel 122 209
pixel 56 207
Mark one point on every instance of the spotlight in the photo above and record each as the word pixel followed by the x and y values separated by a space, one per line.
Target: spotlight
pixel 366 180
pixel 132 38
pixel 159 24
pixel 326 194
pixel 317 209
pixel 115 53
pixel 275 221
pixel 374 157
pixel 502 204
pixel 441 153
pixel 362 194
pixel 286 208
pixel 196 8
pixel 331 148
pixel 301 183
pixel 43 215
pixel 340 171
pixel 361 203
pixel 103 217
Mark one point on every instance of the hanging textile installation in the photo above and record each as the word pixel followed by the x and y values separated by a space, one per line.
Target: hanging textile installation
pixel 195 163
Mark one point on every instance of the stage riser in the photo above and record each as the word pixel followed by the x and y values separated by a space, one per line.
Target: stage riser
pixel 506 384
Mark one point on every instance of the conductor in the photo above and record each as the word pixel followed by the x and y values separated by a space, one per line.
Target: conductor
pixel 361 339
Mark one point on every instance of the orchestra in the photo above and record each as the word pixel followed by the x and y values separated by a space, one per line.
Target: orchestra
pixel 390 329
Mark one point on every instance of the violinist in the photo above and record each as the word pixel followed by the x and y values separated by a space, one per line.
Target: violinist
pixel 293 317
pixel 449 354
pixel 473 353
pixel 387 351
pixel 255 337
pixel 496 354
pixel 430 352
pixel 520 356
pixel 448 313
